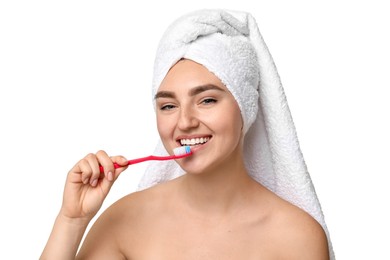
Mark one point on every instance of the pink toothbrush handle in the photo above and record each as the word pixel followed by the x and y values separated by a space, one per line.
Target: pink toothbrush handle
pixel 148 158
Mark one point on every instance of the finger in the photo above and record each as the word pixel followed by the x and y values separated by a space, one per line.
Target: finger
pixel 106 162
pixel 123 162
pixel 113 176
pixel 83 170
pixel 95 171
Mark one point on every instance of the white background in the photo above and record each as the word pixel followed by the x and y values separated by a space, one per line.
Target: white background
pixel 75 78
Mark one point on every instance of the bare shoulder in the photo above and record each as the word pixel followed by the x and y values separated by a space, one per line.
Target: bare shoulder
pixel 129 211
pixel 118 229
pixel 300 235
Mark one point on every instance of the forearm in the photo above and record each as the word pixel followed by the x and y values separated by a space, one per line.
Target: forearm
pixel 64 239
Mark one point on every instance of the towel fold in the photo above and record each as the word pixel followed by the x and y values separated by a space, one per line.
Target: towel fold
pixel 229 44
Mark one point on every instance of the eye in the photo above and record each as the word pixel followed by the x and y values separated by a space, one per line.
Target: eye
pixel 207 101
pixel 167 107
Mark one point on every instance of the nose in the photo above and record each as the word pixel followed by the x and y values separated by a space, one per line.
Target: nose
pixel 187 119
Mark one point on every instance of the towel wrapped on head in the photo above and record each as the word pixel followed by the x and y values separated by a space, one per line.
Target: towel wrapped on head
pixel 229 44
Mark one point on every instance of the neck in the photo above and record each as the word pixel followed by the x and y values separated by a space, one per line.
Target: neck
pixel 217 191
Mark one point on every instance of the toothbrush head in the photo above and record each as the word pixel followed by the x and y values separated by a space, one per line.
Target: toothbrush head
pixel 182 151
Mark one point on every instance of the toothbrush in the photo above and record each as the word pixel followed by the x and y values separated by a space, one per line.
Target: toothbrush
pixel 179 152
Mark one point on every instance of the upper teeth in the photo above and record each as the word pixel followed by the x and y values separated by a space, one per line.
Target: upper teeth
pixel 194 141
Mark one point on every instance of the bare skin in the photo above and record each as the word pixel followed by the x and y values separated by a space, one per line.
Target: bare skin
pixel 161 224
pixel 215 211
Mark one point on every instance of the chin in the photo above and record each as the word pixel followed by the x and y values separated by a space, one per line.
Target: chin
pixel 201 168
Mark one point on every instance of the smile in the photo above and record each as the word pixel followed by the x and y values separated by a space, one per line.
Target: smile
pixel 194 141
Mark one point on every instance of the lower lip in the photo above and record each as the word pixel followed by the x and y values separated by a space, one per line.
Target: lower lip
pixel 196 148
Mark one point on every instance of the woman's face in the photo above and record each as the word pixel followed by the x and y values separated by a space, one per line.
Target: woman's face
pixel 194 108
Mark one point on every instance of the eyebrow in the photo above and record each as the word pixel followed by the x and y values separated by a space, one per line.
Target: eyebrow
pixel 193 92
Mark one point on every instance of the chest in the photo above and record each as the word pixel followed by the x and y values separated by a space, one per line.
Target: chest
pixel 186 242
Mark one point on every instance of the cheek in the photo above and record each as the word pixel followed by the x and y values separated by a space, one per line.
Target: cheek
pixel 227 121
pixel 234 113
pixel 165 126
pixel 161 126
pixel 234 124
pixel 237 124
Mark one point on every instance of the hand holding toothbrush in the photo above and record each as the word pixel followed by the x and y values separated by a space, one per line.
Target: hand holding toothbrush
pixel 90 180
pixel 86 186
pixel 85 190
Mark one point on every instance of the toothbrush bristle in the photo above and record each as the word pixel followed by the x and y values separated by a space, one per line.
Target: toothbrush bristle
pixel 182 150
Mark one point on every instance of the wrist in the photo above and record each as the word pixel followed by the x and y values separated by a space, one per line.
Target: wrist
pixel 76 222
pixel 65 237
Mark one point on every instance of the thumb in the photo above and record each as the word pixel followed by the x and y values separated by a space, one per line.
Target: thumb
pixel 111 177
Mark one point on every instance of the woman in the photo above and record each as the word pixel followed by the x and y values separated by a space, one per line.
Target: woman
pixel 243 194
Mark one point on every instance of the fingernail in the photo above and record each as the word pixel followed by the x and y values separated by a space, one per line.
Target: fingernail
pixel 110 177
pixel 94 182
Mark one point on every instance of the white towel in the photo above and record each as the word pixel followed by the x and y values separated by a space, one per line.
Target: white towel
pixel 229 44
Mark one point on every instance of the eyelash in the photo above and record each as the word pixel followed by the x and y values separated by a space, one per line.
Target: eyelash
pixel 205 101
pixel 167 107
